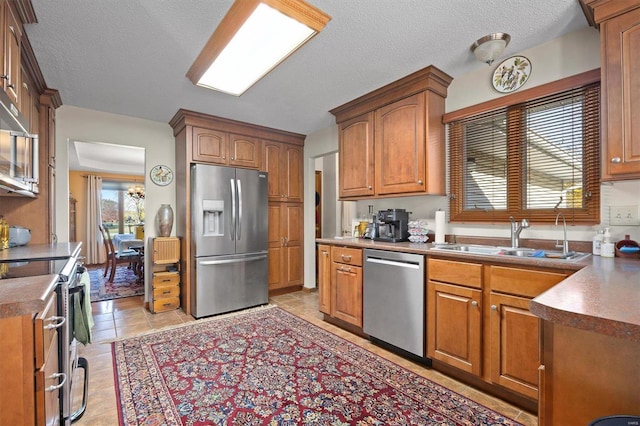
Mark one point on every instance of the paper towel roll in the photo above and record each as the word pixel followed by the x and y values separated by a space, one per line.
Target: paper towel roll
pixel 440 224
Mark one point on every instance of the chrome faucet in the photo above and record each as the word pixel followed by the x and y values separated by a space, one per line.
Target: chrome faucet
pixel 516 229
pixel 565 242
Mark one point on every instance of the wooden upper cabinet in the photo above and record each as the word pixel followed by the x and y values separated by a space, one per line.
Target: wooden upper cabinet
pixel 283 163
pixel 244 151
pixel 392 140
pixel 356 157
pixel 210 146
pixel 400 146
pixel 12 43
pixel 620 44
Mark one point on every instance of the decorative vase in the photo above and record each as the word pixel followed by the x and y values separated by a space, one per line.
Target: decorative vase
pixel 165 220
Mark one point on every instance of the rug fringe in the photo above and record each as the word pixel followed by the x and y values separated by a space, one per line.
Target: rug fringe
pixel 193 322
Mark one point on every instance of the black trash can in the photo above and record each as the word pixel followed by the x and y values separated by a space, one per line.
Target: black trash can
pixel 616 421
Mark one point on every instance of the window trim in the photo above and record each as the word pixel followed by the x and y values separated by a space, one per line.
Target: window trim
pixel 585 216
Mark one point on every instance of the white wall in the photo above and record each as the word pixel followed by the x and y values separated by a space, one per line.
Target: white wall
pixel 565 56
pixel 316 145
pixel 73 123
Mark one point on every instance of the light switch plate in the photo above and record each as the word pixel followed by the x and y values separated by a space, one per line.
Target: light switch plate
pixel 623 215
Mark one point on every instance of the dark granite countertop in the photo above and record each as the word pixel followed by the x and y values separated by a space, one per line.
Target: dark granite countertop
pixel 602 295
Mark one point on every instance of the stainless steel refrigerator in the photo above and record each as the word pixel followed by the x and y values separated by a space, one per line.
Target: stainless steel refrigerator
pixel 229 236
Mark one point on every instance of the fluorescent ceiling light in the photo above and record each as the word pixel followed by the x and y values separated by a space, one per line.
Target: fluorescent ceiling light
pixel 252 39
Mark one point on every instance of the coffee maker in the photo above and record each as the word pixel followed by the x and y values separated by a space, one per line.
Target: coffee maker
pixel 393 225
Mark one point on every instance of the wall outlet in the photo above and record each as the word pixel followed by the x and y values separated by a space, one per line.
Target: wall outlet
pixel 623 215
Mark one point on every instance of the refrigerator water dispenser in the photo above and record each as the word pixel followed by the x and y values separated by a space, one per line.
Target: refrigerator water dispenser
pixel 213 218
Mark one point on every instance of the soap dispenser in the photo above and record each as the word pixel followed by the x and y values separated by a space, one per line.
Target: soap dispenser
pixel 608 247
pixel 597 242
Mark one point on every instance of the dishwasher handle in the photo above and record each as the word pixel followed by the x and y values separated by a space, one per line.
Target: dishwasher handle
pixel 410 265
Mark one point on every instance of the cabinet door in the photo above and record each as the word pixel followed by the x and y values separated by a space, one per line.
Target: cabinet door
pixel 244 151
pixel 324 279
pixel 210 146
pixel 400 146
pixel 514 344
pixel 26 99
pixel 356 157
pixel 620 38
pixel 292 227
pixel 275 247
pixel 271 152
pixel 347 293
pixel 291 180
pixel 12 42
pixel 454 321
pixel 285 245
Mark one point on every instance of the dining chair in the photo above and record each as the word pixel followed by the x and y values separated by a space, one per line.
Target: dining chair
pixel 115 257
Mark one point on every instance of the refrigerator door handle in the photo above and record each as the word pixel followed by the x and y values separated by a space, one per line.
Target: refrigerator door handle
pixel 227 261
pixel 232 231
pixel 239 224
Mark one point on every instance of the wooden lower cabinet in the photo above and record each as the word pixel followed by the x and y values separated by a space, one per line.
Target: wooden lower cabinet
pixel 340 283
pixel 514 344
pixel 347 293
pixel 455 325
pixel 478 321
pixel 324 278
pixel 285 246
pixel 29 366
pixel 586 375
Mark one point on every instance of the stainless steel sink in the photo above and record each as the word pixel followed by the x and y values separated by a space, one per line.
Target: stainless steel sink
pixel 475 249
pixel 517 252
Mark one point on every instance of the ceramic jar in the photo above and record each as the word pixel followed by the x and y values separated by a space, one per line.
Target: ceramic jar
pixel 165 220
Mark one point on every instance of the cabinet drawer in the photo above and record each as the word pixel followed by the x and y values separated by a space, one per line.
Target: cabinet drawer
pixel 454 272
pixel 165 291
pixel 166 304
pixel 522 282
pixel 165 279
pixel 347 255
pixel 46 326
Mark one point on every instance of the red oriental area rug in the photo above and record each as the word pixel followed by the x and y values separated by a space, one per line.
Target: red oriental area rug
pixel 125 284
pixel 268 367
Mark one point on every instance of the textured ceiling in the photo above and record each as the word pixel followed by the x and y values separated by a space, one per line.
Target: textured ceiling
pixel 130 57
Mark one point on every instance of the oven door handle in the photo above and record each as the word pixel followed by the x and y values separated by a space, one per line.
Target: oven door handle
pixel 60 322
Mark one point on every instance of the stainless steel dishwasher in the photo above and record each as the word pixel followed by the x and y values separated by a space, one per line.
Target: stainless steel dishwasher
pixel 394 299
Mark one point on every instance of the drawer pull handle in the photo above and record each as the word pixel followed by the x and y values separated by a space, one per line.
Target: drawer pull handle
pixel 59 321
pixel 58 386
pixel 474 303
pixel 346 258
pixel 166 304
pixel 494 308
pixel 166 280
pixel 616 160
pixel 419 182
pixel 166 292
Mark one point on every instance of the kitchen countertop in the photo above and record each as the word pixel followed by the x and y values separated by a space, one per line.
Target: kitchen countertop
pixel 27 296
pixel 603 295
pixel 39 252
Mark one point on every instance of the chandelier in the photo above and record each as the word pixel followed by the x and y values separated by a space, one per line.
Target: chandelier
pixel 136 192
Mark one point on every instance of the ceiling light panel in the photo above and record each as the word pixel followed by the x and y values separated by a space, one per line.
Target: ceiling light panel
pixel 252 39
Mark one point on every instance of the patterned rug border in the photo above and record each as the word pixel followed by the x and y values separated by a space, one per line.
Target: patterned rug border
pixel 194 322
pixel 341 353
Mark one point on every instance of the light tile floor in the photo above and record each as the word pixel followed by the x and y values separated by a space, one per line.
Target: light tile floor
pixel 127 317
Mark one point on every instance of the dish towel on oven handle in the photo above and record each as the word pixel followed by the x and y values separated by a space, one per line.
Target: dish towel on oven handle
pixel 82 316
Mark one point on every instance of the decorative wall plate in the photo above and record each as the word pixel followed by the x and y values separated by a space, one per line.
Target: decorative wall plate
pixel 511 74
pixel 161 175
